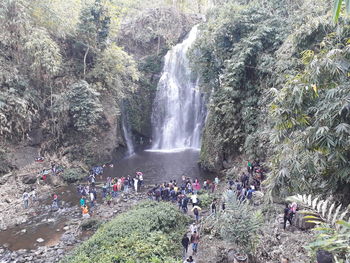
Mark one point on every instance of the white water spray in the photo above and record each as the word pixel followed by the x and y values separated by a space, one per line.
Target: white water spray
pixel 127 134
pixel 178 111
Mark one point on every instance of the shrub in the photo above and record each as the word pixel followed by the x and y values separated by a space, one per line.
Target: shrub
pixel 73 174
pixel 151 232
pixel 205 199
pixel 238 224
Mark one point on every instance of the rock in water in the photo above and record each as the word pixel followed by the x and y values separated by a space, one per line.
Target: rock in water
pixel 40 240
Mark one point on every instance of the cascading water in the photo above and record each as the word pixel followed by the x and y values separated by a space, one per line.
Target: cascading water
pixel 126 131
pixel 178 111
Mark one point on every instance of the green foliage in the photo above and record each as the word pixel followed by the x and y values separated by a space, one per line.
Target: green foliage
pixel 71 175
pixel 44 54
pixel 115 71
pixel 310 115
pixel 205 199
pixel 337 8
pixel 94 25
pixel 232 54
pixel 151 232
pixel 334 240
pixel 238 224
pixel 84 106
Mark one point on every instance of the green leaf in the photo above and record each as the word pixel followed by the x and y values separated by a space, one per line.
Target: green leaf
pixel 336 9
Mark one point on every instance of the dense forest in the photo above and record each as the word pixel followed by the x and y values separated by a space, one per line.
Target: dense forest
pixel 275 78
pixel 278 72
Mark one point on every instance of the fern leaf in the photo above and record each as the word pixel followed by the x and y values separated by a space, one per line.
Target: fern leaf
pixel 330 212
pixel 309 201
pixel 336 215
pixel 314 221
pixel 324 208
pixel 314 203
pixel 304 198
pixel 319 206
pixel 344 214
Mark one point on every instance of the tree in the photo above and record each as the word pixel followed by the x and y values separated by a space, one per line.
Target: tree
pixel 115 71
pixel 311 118
pixel 92 31
pixel 84 106
pixel 43 53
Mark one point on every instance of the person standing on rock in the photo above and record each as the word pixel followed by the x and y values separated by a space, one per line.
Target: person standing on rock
pixel 140 175
pixel 33 195
pixel 115 188
pixel 185 242
pixel 25 197
pixel 287 216
pixel 194 200
pixel 193 228
pixel 85 211
pixel 82 201
pixel 92 198
pixel 136 184
pixel 213 206
pixel 104 190
pixel 196 210
pixel 126 184
pixel 195 241
pixel 55 201
pixel 184 204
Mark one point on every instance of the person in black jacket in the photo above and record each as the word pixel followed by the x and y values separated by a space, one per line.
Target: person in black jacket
pixel 185 242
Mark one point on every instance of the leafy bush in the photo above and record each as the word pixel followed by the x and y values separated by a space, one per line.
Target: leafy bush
pixel 205 199
pixel 73 174
pixel 238 224
pixel 84 106
pixel 151 232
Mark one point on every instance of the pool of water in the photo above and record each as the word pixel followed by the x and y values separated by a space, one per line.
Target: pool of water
pixel 160 166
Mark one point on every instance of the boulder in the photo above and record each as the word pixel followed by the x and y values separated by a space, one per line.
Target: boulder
pixel 29 179
pixel 300 222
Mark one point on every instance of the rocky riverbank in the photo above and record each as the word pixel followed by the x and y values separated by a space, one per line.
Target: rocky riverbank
pixel 71 230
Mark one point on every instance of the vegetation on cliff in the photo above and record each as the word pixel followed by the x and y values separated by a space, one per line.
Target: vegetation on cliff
pixel 277 72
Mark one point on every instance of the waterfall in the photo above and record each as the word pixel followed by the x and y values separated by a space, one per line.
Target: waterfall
pixel 127 132
pixel 178 110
